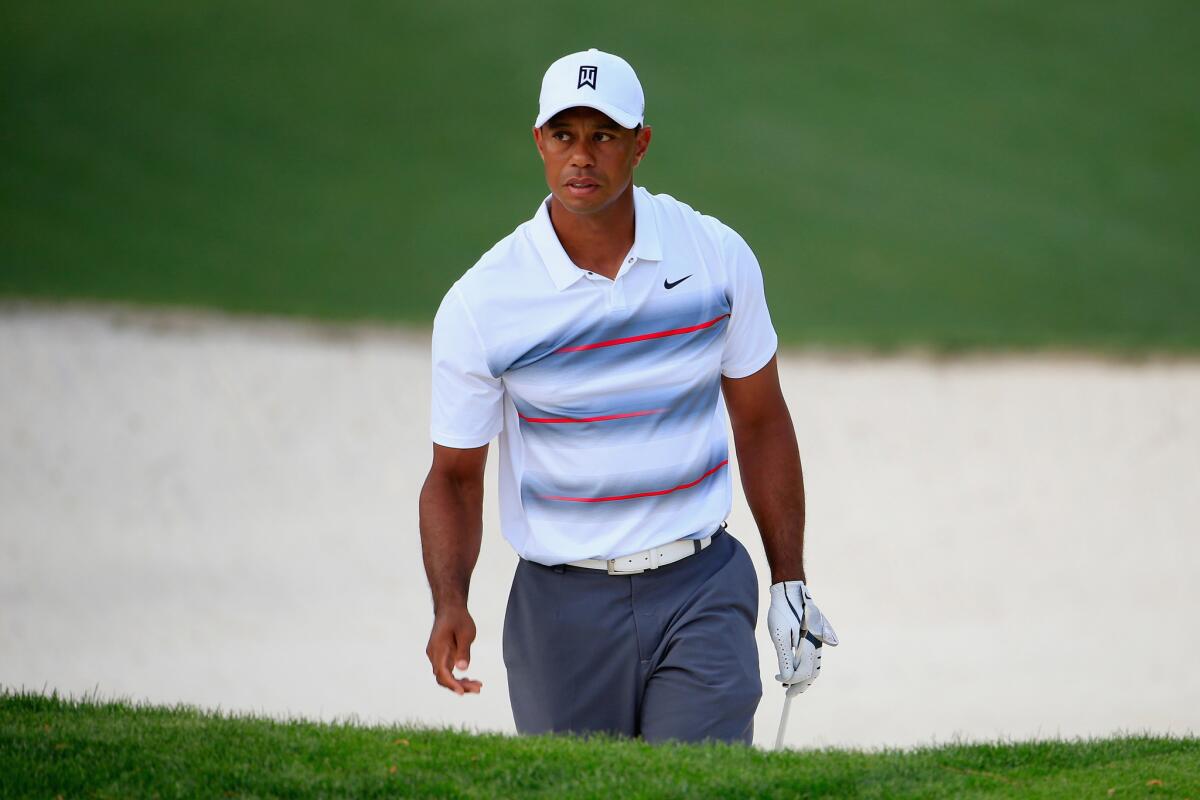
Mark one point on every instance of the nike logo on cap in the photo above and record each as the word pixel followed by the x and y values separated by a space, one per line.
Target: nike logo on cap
pixel 672 284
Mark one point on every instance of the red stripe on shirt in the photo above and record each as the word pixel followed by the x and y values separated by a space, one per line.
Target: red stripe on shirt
pixel 604 418
pixel 643 337
pixel 639 494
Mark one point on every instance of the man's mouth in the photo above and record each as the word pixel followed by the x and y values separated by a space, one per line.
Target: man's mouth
pixel 582 185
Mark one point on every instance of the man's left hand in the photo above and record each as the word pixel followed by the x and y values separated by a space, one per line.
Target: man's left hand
pixel 798 629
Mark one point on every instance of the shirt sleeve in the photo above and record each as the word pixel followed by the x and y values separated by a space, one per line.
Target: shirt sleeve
pixel 467 408
pixel 751 340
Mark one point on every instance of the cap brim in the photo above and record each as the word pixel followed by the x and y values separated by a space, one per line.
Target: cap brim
pixel 622 118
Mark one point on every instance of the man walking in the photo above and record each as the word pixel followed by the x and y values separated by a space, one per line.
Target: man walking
pixel 604 341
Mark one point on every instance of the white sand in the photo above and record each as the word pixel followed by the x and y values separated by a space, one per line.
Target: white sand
pixel 223 512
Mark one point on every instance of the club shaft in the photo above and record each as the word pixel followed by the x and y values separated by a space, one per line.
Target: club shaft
pixel 787 704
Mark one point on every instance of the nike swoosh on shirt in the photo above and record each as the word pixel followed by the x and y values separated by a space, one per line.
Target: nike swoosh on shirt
pixel 672 284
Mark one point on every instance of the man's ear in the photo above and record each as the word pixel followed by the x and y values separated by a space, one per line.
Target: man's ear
pixel 537 140
pixel 643 142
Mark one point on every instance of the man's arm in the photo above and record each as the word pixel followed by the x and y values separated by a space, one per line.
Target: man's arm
pixel 769 461
pixel 451 522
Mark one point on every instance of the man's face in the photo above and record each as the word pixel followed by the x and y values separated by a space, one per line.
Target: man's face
pixel 589 158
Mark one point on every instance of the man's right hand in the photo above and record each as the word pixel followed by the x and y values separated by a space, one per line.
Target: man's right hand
pixel 450 648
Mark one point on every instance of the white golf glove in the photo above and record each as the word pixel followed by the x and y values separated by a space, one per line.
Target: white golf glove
pixel 798 629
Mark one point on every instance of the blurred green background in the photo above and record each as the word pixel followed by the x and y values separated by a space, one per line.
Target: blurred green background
pixel 948 174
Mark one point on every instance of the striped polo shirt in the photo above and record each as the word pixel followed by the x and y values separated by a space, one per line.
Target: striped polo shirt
pixel 606 394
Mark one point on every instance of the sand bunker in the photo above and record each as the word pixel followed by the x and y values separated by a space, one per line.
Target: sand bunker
pixel 223 512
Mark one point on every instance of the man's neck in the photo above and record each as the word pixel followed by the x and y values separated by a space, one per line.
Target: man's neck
pixel 599 241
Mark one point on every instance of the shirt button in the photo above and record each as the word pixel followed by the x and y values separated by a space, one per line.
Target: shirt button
pixel 631 261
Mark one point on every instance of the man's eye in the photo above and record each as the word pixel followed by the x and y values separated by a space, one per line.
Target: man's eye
pixel 561 136
pixel 603 137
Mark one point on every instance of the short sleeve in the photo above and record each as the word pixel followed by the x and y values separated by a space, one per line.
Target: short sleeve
pixel 467 408
pixel 751 340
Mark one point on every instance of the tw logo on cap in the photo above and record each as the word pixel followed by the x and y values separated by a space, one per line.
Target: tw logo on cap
pixel 587 77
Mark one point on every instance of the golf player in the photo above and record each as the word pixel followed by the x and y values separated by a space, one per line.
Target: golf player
pixel 606 341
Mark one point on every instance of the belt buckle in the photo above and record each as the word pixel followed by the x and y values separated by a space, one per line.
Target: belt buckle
pixel 613 571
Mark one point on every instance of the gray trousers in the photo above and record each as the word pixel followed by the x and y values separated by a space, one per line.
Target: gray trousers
pixel 668 653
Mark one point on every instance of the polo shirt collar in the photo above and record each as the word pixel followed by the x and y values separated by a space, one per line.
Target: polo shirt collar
pixel 563 271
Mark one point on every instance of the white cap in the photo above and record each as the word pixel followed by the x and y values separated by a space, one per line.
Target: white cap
pixel 594 79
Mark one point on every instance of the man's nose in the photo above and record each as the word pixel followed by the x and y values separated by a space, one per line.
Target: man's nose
pixel 581 154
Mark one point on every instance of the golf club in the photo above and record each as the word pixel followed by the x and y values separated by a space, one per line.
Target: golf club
pixel 787 704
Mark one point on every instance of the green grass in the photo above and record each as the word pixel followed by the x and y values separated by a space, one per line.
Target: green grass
pixel 86 747
pixel 988 174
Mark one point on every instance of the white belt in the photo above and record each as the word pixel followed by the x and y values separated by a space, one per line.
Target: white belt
pixel 643 560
